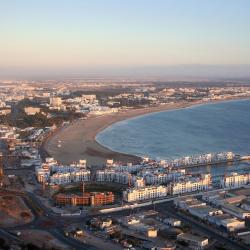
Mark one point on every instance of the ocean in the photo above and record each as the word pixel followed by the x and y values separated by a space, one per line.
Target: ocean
pixel 214 127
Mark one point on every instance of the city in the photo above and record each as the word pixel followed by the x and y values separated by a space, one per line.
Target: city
pixel 100 204
pixel 124 125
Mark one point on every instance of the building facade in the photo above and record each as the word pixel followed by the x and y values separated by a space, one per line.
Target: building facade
pixel 86 199
pixel 234 180
pixel 144 193
pixel 191 184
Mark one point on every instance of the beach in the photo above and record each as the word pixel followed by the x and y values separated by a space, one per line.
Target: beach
pixel 78 139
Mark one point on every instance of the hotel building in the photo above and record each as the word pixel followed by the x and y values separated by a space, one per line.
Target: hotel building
pixel 234 180
pixel 191 184
pixel 144 193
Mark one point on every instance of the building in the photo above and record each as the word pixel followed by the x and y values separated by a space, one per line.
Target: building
pixel 235 211
pixel 198 208
pixel 67 177
pixel 31 110
pixel 138 182
pixel 227 222
pixel 55 102
pixel 86 199
pixel 132 220
pixel 246 204
pixel 52 173
pixel 232 224
pixel 145 193
pixel 194 240
pixel 187 203
pixel 234 180
pixel 172 222
pixel 110 175
pixel 230 200
pixel 203 212
pixel 191 184
pixel 5 111
pixel 89 99
pixel 212 196
pixel 152 232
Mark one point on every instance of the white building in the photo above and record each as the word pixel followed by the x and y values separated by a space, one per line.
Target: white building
pixel 82 175
pixel 110 175
pixel 31 110
pixel 63 178
pixel 138 182
pixel 60 178
pixel 234 180
pixel 191 185
pixel 55 102
pixel 156 178
pixel 51 172
pixel 145 193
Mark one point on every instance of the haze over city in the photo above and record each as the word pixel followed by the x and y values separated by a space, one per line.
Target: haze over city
pixel 125 38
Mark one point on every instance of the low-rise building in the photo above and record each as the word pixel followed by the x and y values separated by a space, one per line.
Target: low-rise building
pixel 172 222
pixel 187 203
pixel 246 204
pixel 235 211
pixel 152 232
pixel 194 240
pixel 197 208
pixel 227 222
pixel 203 212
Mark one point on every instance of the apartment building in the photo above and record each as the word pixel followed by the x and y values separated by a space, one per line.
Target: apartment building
pixel 234 180
pixel 88 199
pixel 144 193
pixel 76 176
pixel 191 184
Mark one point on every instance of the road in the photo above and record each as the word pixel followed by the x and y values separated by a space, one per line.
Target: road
pixel 46 219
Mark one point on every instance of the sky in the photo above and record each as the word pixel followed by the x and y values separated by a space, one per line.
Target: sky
pixel 125 36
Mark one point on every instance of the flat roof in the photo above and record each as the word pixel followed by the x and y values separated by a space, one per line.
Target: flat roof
pixel 192 237
pixel 242 191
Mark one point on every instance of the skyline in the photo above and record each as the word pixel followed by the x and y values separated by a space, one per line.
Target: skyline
pixel 129 38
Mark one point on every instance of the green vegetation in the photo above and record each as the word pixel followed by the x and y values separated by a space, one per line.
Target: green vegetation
pixel 18 118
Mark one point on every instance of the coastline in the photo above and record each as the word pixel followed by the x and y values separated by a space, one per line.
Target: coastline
pixel 78 140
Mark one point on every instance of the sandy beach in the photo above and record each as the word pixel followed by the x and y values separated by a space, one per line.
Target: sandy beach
pixel 78 139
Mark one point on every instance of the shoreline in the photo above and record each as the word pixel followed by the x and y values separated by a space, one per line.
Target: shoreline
pixel 78 140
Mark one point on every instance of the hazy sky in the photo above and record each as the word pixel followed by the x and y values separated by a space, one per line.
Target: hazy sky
pixel 75 35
